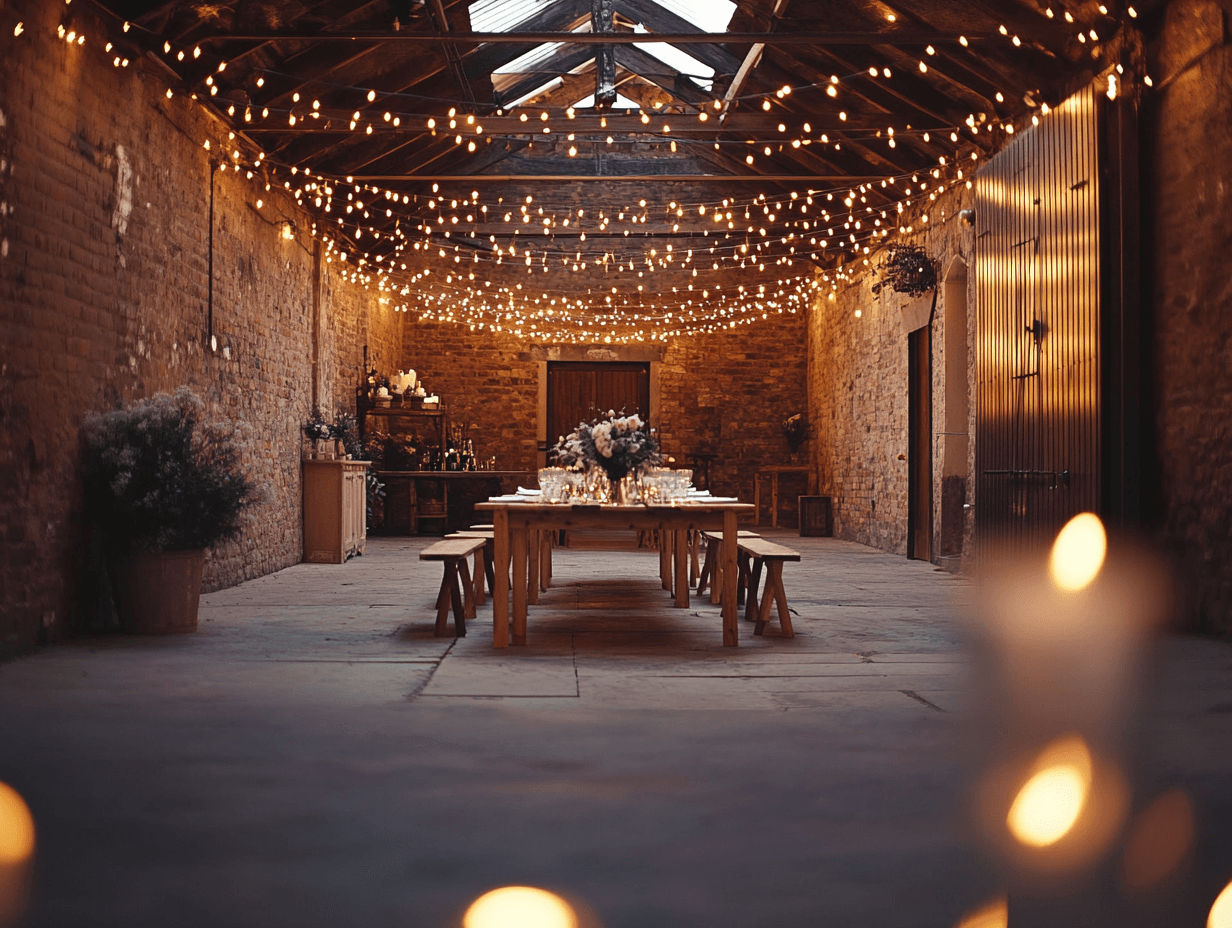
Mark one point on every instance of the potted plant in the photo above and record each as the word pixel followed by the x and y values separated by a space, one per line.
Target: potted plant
pixel 164 485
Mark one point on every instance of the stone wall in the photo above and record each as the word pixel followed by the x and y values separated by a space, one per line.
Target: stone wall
pixel 858 390
pixel 726 394
pixel 104 297
pixel 1188 231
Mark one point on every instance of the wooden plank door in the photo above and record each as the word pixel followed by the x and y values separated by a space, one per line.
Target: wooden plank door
pixel 580 391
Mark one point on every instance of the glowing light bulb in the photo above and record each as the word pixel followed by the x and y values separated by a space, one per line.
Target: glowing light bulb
pixel 1078 553
pixel 16 828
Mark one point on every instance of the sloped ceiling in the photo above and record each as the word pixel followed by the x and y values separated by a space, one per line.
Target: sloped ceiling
pixel 400 104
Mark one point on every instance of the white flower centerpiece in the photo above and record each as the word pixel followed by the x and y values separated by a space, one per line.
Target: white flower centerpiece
pixel 618 446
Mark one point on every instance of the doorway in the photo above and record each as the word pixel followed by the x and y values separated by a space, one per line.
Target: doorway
pixel 955 438
pixel 919 453
pixel 578 391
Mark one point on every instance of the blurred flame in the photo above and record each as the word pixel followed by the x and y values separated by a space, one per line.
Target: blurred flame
pixel 1078 553
pixel 1159 841
pixel 994 915
pixel 520 907
pixel 16 828
pixel 1221 911
pixel 1050 802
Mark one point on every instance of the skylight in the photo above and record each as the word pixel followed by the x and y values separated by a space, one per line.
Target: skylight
pixel 707 15
pixel 701 74
pixel 509 15
pixel 504 15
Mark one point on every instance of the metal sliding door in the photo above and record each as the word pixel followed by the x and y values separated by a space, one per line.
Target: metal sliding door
pixel 1038 338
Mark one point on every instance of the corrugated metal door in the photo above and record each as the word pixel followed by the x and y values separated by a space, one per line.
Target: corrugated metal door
pixel 1037 341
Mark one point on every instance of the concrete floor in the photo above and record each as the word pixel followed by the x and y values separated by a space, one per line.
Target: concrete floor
pixel 314 756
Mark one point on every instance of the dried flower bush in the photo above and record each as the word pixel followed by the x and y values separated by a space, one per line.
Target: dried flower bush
pixel 159 477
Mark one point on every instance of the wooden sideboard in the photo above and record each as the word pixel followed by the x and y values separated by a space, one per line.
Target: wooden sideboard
pixel 335 510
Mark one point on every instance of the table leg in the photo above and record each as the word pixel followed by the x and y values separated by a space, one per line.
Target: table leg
pixel 518 544
pixel 695 567
pixel 774 500
pixel 682 568
pixel 731 535
pixel 548 541
pixel 500 578
pixel 534 550
pixel 757 499
pixel 665 558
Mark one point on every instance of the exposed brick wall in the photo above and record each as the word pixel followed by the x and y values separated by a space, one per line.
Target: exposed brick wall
pixel 858 392
pixel 1189 232
pixel 723 393
pixel 730 393
pixel 103 297
pixel 486 380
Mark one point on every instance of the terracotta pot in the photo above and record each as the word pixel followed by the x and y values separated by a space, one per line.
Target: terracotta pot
pixel 161 592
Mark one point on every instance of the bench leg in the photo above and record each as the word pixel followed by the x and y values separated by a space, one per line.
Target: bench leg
pixel 742 578
pixel 455 597
pixel 751 612
pixel 489 564
pixel 468 590
pixel 716 575
pixel 442 604
pixel 774 595
pixel 707 569
pixel 780 598
pixel 479 574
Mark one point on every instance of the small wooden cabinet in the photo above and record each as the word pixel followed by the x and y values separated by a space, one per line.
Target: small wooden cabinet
pixel 335 510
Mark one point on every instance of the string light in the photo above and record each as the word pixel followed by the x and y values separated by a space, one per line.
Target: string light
pixel 783 244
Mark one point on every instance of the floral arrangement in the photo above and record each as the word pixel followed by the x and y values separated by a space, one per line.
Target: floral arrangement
pixel 317 428
pixel 161 478
pixel 909 270
pixel 795 430
pixel 618 444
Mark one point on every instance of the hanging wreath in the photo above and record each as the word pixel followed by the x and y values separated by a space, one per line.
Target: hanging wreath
pixel 908 269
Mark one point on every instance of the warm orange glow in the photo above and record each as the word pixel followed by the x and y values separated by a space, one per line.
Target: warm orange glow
pixel 1078 553
pixel 1049 803
pixel 1159 841
pixel 16 828
pixel 993 915
pixel 1221 911
pixel 520 907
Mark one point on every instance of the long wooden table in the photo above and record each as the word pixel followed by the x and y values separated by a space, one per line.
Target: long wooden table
pixel 516 525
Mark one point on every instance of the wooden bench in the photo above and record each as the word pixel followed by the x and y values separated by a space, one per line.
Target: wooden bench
pixel 457 587
pixel 710 573
pixel 773 556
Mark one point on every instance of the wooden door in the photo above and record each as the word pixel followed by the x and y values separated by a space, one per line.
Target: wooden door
pixel 919 453
pixel 580 391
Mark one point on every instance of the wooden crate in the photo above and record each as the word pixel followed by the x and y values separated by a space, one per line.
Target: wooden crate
pixel 816 517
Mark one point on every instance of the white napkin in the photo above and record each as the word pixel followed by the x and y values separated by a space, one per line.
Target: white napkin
pixel 505 499
pixel 522 491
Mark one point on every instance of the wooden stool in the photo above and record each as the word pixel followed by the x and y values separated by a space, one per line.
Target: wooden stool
pixel 773 557
pixel 457 588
